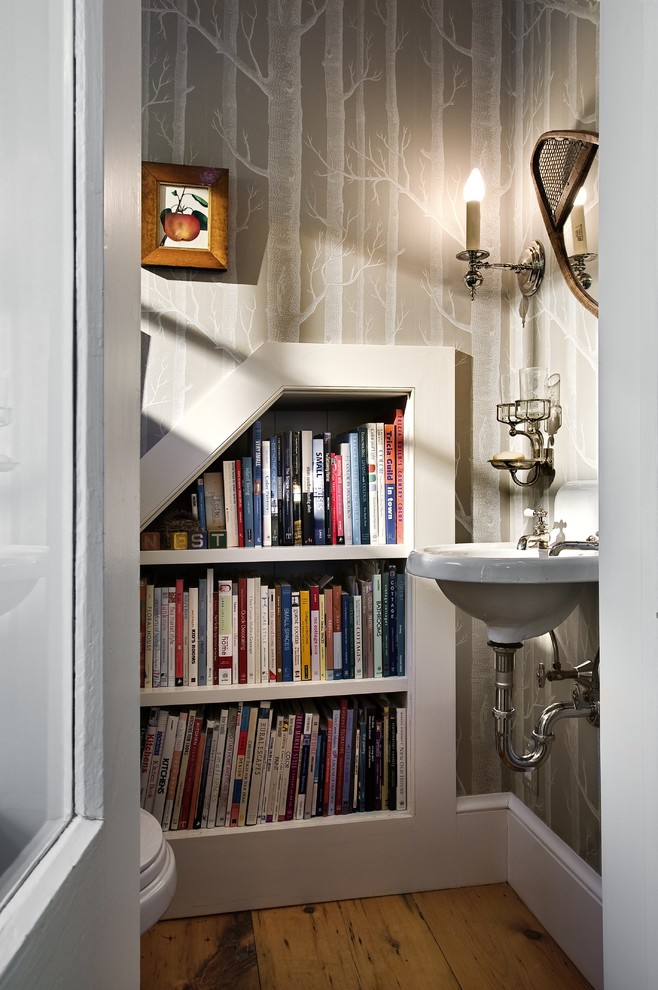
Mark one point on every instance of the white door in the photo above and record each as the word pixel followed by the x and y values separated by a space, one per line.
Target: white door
pixel 69 420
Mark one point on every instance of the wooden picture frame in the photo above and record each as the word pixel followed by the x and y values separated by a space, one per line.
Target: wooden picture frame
pixel 195 198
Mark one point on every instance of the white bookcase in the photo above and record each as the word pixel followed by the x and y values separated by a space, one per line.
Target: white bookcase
pixel 347 856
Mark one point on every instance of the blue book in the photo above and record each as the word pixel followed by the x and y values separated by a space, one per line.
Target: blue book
pixel 201 502
pixel 256 455
pixel 201 636
pixel 286 631
pixel 248 500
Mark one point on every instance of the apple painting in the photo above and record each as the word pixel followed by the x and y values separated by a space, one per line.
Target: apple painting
pixel 182 223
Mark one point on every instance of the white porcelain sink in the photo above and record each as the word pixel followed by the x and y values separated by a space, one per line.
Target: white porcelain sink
pixel 518 594
pixel 20 569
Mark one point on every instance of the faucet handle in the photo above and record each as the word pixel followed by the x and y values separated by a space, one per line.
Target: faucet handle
pixel 539 515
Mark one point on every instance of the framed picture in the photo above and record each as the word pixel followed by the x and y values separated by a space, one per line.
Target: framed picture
pixel 184 216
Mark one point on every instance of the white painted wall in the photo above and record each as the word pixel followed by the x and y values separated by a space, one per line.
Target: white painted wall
pixel 75 922
pixel 628 332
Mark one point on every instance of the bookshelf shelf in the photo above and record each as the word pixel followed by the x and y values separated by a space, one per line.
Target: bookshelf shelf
pixel 342 856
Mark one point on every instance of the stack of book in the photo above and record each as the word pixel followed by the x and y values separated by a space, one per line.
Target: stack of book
pixel 253 763
pixel 297 488
pixel 212 630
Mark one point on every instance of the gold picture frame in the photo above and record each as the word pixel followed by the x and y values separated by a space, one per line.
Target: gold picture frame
pixel 184 216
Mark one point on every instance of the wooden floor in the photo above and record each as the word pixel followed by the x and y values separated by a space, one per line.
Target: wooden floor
pixel 474 938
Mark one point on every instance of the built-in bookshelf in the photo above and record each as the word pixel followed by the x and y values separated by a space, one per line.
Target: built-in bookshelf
pixel 311 855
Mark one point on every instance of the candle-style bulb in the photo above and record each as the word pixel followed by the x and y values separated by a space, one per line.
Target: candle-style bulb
pixel 578 231
pixel 473 194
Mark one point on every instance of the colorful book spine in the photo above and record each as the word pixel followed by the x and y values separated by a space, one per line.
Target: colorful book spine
pixel 319 526
pixel 390 521
pixel 398 422
pixel 308 521
pixel 266 495
pixel 257 464
pixel 247 475
pixel 201 503
pixel 231 500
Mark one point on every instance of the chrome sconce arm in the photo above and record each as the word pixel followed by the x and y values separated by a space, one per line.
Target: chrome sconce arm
pixel 529 268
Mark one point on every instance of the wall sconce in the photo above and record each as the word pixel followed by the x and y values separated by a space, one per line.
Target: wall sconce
pixel 530 266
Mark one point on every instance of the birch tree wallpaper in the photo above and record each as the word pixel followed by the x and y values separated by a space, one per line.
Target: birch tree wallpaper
pixel 349 128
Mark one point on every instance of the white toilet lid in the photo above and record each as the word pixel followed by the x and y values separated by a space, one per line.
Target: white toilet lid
pixel 151 843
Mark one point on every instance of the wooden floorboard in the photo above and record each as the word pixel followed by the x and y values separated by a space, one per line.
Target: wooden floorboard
pixel 473 938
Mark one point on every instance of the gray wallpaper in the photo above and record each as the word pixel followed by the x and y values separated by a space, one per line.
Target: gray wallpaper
pixel 349 128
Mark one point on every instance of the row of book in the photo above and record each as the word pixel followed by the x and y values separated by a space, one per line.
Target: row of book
pixel 258 762
pixel 296 488
pixel 208 630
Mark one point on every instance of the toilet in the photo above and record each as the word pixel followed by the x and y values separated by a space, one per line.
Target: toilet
pixel 157 872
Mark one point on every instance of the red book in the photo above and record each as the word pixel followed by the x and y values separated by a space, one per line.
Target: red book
pixel 240 501
pixel 340 763
pixel 337 516
pixel 180 633
pixel 242 630
pixel 398 423
pixel 191 769
pixel 196 780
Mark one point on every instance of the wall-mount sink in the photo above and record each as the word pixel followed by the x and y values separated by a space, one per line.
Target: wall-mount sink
pixel 518 594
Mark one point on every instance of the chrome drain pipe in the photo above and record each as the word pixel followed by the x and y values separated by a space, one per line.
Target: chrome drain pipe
pixel 504 714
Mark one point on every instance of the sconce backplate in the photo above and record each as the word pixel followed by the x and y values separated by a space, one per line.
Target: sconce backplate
pixel 531 277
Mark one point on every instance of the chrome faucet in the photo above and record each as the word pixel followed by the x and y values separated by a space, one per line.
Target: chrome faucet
pixel 591 543
pixel 540 534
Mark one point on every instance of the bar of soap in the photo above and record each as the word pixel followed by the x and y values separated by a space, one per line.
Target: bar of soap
pixel 508 455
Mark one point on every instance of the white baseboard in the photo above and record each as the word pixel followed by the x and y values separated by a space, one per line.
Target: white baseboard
pixel 500 839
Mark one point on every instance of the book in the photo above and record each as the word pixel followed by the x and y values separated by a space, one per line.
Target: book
pixel 287 736
pixel 247 478
pixel 192 770
pixel 264 672
pixel 346 487
pixel 171 644
pixel 337 518
pixel 340 756
pixel 267 774
pixel 224 651
pixel 205 792
pixel 337 631
pixel 401 751
pixel 271 807
pixel 157 636
pixel 398 423
pixel 319 530
pixel 242 630
pixel 237 771
pixel 156 755
pixel 218 766
pixel 201 774
pixel 390 518
pixel 175 770
pixel 164 636
pixel 346 645
pixel 286 630
pixel 201 503
pixel 347 796
pixel 327 488
pixel 210 625
pixel 327 594
pixel 275 491
pixel 364 483
pixel 142 631
pixel 215 507
pixel 379 470
pixel 147 753
pixel 239 497
pixel 162 782
pixel 401 622
pixel 296 728
pixel 231 503
pixel 307 490
pixel 304 600
pixel 314 614
pixel 311 726
pixel 296 483
pixel 193 640
pixel 182 773
pixel 202 619
pixel 287 534
pixel 303 762
pixel 248 763
pixel 253 629
pixel 373 506
pixel 266 495
pixel 225 789
pixel 258 769
pixel 257 469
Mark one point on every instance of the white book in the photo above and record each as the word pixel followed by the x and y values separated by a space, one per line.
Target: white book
pixel 232 770
pixel 309 804
pixel 307 486
pixel 284 766
pixel 266 493
pixel 213 486
pixel 154 766
pixel 210 626
pixel 162 781
pixel 258 764
pixel 271 651
pixel 147 753
pixel 269 760
pixel 381 494
pixel 358 635
pixel 319 505
pixel 373 508
pixel 300 798
pixel 235 617
pixel 222 730
pixel 186 637
pixel 264 634
pixel 225 632
pixel 148 636
pixel 231 502
pixel 193 637
pixel 175 770
pixel 253 629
